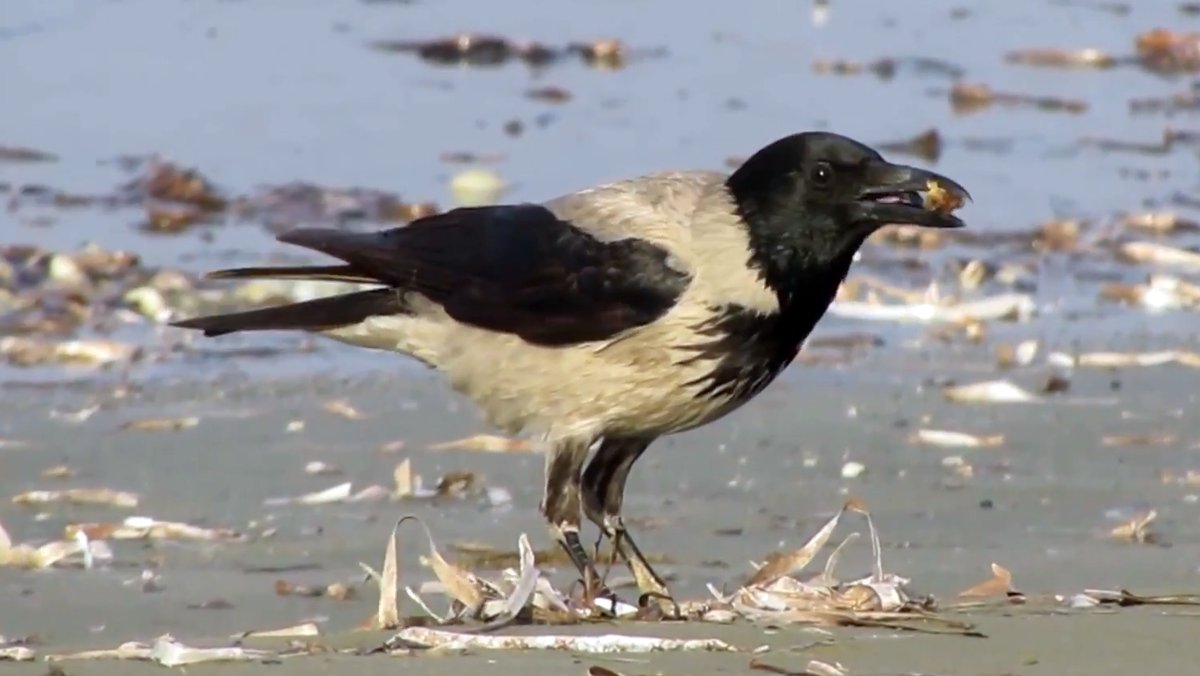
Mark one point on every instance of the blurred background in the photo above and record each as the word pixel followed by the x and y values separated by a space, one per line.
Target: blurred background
pixel 367 113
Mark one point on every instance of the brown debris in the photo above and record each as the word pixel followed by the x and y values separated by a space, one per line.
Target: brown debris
pixel 1160 222
pixel 999 585
pixel 26 351
pixel 78 496
pixel 161 424
pixel 1186 101
pixel 950 438
pixel 172 183
pixel 344 409
pixel 145 528
pixel 969 97
pixel 168 652
pixel 927 145
pixel 487 443
pixel 1061 58
pixel 887 68
pixel 172 219
pixel 549 94
pixel 1138 440
pixel 1137 530
pixel 76 550
pixel 336 591
pixel 1158 293
pixel 1190 477
pixel 780 564
pixel 18 653
pixel 58 472
pixel 25 155
pixel 1154 253
pixel 472 49
pixel 1058 235
pixel 989 392
pixel 1165 51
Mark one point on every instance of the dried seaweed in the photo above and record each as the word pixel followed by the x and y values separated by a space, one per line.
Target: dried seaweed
pixel 77 550
pixel 470 49
pixel 168 652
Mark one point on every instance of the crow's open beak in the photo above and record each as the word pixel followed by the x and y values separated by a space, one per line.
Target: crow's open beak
pixel 894 193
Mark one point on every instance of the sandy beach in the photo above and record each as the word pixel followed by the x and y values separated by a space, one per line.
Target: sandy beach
pixel 210 126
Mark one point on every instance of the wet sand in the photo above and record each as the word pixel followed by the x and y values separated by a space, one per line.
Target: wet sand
pixel 720 497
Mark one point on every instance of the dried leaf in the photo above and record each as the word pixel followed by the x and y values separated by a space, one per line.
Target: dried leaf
pixel 344 409
pixel 78 549
pixel 1138 440
pixel 406 481
pixel 999 585
pixel 17 653
pixel 819 668
pixel 856 505
pixel 1159 254
pixel 778 564
pixel 828 576
pixel 339 493
pixel 1076 58
pixel 955 439
pixel 1189 478
pixel 22 154
pixel 387 612
pixel 319 468
pixel 1113 360
pixel 145 528
pixel 486 443
pixel 1022 354
pixel 460 584
pixel 79 496
pixel 161 424
pixel 457 484
pixel 511 606
pixel 58 472
pixel 1137 529
pixel 392 446
pixel 989 392
pixel 171 653
pixel 26 351
pixel 131 650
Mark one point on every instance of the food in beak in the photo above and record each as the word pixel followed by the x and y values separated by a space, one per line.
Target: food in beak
pixel 940 200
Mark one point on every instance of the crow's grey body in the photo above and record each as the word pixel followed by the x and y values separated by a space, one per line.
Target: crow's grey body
pixel 645 382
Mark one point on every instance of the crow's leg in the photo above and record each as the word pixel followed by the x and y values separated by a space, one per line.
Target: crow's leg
pixel 562 508
pixel 603 495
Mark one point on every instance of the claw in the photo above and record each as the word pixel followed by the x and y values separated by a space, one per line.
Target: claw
pixel 650 585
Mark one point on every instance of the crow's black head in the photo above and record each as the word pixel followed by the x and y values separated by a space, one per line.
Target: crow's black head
pixel 810 200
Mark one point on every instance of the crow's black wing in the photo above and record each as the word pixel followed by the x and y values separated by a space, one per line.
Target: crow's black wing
pixel 516 269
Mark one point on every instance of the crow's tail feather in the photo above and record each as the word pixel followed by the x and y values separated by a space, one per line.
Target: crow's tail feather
pixel 322 314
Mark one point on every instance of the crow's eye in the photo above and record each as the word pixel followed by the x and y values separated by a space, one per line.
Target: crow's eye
pixel 821 175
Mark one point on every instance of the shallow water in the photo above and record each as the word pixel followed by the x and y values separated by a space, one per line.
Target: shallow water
pixel 263 93
pixel 269 92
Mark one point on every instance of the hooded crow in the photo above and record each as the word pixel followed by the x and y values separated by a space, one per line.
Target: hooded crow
pixel 615 315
